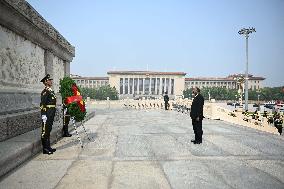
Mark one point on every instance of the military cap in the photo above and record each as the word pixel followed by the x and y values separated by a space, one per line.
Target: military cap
pixel 47 77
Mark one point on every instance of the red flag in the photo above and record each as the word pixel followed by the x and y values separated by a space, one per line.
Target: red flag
pixel 73 99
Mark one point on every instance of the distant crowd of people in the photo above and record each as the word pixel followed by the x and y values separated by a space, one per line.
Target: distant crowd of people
pixel 276 119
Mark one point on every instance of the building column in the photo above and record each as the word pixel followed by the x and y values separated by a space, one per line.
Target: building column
pixel 133 87
pixel 128 86
pixel 165 85
pixel 170 86
pixel 143 86
pixel 156 85
pixel 50 69
pixel 123 86
pixel 150 92
pixel 66 68
pixel 138 85
pixel 160 87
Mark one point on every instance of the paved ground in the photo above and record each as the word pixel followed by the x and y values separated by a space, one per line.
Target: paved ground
pixel 151 149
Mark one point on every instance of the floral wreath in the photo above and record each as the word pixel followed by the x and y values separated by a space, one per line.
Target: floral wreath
pixel 72 99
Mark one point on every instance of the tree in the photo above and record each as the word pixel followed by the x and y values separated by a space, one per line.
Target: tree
pixel 218 93
pixel 187 93
pixel 106 91
pixel 101 93
pixel 88 92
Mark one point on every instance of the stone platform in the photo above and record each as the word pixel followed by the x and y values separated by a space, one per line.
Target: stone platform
pixel 16 150
pixel 151 149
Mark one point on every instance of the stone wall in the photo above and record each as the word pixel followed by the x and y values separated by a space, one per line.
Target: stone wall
pixel 21 62
pixel 29 49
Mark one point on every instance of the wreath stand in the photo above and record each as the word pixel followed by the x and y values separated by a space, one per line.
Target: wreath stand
pixel 77 133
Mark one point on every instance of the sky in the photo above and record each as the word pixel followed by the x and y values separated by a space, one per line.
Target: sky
pixel 199 37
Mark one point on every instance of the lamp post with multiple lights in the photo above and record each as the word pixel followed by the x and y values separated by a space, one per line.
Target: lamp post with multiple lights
pixel 246 32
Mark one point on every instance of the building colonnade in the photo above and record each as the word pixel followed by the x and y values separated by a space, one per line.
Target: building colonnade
pixel 146 85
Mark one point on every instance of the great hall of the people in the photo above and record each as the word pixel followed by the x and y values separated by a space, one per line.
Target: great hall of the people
pixel 134 84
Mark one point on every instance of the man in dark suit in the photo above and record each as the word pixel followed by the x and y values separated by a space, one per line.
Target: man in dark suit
pixel 166 99
pixel 196 115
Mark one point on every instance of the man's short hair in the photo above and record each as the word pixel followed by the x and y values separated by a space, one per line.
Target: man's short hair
pixel 197 89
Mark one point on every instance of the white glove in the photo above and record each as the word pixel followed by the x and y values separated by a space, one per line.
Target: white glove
pixel 44 118
pixel 65 111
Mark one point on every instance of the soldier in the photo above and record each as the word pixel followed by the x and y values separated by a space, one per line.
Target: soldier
pixel 48 108
pixel 166 99
pixel 66 120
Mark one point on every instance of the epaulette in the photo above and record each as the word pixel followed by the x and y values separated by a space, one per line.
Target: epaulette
pixel 43 92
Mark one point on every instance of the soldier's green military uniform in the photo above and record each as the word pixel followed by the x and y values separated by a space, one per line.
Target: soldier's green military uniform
pixel 48 109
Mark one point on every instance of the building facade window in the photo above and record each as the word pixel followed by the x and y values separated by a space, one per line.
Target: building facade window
pixel 140 85
pixel 126 86
pixel 163 85
pixel 167 85
pixel 158 86
pixel 135 85
pixel 153 85
pixel 172 86
pixel 131 86
pixel 147 86
pixel 121 86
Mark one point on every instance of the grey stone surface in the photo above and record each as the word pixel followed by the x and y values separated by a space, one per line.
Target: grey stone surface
pixel 3 129
pixel 16 150
pixel 93 174
pixel 18 102
pixel 13 154
pixel 18 123
pixel 37 171
pixel 138 175
pixel 132 149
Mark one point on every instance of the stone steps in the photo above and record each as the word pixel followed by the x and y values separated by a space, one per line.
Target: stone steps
pixel 17 150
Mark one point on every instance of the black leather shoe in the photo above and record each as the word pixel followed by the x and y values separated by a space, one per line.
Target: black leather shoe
pixel 52 149
pixel 67 135
pixel 46 151
pixel 197 142
pixel 192 141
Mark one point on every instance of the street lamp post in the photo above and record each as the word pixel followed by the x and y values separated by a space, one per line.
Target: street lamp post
pixel 258 102
pixel 246 32
pixel 209 95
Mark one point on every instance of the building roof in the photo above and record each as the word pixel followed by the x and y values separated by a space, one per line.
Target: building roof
pixel 228 78
pixel 251 77
pixel 209 79
pixel 145 73
pixel 91 78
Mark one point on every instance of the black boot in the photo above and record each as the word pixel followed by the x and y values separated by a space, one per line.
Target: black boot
pixel 45 149
pixel 49 147
pixel 195 138
pixel 65 131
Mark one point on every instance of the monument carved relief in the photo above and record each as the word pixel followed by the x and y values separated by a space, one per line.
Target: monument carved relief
pixel 21 61
pixel 29 12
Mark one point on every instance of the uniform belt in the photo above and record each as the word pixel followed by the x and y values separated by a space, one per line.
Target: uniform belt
pixel 50 106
